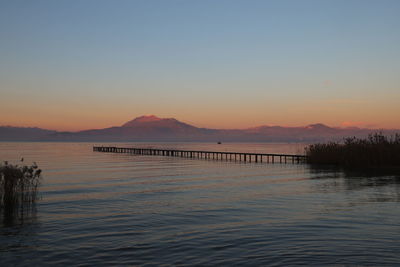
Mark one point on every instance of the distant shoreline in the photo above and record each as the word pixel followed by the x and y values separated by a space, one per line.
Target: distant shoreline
pixel 154 129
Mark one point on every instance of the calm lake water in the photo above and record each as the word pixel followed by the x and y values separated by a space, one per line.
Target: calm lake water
pixel 116 209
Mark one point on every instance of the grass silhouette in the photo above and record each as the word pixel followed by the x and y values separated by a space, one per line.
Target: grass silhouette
pixel 377 150
pixel 18 188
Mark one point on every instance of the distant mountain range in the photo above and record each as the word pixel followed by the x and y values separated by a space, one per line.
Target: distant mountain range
pixel 152 128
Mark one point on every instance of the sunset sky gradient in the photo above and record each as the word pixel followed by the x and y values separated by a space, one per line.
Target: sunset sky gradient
pixel 72 65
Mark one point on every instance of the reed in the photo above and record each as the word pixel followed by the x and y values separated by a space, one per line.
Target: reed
pixel 377 150
pixel 18 187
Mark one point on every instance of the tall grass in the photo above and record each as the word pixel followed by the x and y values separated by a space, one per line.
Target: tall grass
pixel 18 187
pixel 377 150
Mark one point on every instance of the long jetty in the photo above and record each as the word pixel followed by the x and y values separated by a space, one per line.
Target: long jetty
pixel 215 155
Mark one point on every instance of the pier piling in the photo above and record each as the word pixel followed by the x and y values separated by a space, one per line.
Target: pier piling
pixel 215 155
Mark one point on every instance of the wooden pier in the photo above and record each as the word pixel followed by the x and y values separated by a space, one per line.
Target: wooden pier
pixel 227 156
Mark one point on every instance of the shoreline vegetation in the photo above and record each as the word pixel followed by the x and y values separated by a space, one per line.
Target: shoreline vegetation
pixel 18 190
pixel 375 151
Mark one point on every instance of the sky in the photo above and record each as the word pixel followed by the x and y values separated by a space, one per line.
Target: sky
pixel 74 65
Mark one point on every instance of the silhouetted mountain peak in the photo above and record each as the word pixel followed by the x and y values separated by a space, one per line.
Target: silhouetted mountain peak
pixel 145 118
pixel 318 126
pixel 152 128
pixel 142 119
pixel 154 121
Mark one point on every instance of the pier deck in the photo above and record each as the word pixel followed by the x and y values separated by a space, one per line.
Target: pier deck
pixel 216 155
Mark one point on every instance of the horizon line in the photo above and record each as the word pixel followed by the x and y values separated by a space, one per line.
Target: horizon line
pixel 200 127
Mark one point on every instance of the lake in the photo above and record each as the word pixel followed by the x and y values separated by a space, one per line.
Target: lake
pixel 118 209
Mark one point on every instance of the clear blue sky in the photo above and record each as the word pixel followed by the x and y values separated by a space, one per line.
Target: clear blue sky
pixel 230 64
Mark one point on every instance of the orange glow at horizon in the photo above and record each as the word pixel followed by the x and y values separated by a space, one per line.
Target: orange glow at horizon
pixel 76 120
pixel 275 66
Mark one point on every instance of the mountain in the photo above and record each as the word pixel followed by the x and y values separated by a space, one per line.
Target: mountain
pixel 308 133
pixel 9 133
pixel 144 119
pixel 154 124
pixel 144 128
pixel 152 128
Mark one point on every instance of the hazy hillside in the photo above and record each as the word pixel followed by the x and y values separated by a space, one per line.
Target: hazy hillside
pixel 8 133
pixel 152 128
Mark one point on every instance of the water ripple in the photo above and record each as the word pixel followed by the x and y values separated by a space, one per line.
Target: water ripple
pixel 116 209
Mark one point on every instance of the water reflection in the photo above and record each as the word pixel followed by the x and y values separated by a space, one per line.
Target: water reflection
pixel 11 217
pixel 17 229
pixel 114 209
pixel 379 185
